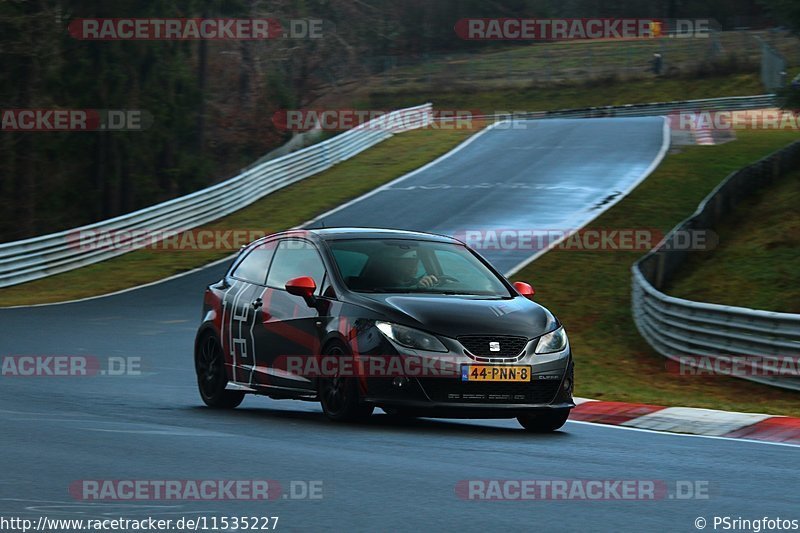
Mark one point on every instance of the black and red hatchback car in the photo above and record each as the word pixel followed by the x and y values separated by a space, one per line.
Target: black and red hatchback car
pixel 355 318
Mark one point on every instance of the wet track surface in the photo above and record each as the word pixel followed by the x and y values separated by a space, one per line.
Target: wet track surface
pixel 546 175
pixel 384 475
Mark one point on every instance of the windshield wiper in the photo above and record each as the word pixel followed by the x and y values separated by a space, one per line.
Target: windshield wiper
pixel 385 291
pixel 455 293
pixel 423 291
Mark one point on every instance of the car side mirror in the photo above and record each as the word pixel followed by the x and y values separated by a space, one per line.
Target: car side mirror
pixel 524 289
pixel 303 286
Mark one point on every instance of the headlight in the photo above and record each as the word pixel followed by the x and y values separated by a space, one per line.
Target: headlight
pixel 555 341
pixel 411 338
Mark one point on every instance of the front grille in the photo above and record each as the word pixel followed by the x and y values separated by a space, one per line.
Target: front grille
pixel 479 345
pixel 457 391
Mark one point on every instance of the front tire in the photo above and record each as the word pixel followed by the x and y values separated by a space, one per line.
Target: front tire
pixel 545 422
pixel 212 378
pixel 339 396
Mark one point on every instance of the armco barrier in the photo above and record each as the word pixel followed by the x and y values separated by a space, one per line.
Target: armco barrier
pixel 38 257
pixel 675 327
pixel 731 103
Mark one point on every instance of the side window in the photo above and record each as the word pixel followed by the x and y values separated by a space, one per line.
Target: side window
pixel 293 259
pixel 254 266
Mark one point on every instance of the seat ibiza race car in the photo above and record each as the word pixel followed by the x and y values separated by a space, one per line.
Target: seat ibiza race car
pixel 357 318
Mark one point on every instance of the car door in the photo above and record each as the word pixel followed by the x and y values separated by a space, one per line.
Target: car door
pixel 290 329
pixel 241 310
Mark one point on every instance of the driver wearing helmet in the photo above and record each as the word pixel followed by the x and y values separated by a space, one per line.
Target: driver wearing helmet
pixel 404 273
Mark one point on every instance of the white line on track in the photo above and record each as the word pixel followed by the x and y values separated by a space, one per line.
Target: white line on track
pixel 624 194
pixel 129 289
pixel 406 176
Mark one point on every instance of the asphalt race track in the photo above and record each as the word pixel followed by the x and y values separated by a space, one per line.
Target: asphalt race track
pixel 385 475
pixel 522 176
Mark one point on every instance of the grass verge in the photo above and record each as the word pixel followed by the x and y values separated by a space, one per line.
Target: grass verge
pixel 571 95
pixel 590 291
pixel 757 262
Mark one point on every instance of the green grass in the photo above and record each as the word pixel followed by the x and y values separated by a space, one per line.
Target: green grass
pixel 590 291
pixel 544 61
pixel 518 64
pixel 571 96
pixel 284 209
pixel 757 261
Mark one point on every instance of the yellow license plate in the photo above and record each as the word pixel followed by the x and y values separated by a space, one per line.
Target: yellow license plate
pixel 495 373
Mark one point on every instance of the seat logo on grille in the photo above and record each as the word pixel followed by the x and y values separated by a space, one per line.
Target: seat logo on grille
pixel 494 346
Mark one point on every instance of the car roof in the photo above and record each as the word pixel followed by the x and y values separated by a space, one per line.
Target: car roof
pixel 330 234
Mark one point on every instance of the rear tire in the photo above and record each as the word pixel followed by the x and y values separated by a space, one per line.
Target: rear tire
pixel 212 378
pixel 339 396
pixel 544 422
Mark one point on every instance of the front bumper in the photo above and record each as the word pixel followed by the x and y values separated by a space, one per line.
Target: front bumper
pixel 551 385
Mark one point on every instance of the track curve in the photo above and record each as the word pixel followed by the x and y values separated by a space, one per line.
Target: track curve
pixel 543 175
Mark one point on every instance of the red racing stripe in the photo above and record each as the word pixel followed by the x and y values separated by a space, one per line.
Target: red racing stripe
pixel 776 429
pixel 613 413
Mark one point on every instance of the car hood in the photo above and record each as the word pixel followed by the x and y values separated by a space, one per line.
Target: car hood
pixel 452 316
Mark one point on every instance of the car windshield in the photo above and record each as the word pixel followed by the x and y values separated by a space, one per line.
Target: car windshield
pixel 414 266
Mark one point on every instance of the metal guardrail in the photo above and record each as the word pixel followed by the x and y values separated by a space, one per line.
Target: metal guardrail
pixel 660 108
pixel 682 329
pixel 42 256
pixel 731 103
